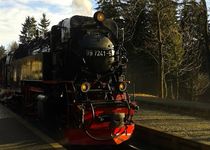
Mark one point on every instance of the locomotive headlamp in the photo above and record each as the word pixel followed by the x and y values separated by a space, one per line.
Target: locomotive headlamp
pixel 99 16
pixel 122 86
pixel 85 87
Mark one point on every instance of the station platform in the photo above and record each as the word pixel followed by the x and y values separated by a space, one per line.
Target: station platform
pixel 17 134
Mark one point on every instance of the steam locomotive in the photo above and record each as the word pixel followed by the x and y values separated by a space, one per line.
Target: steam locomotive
pixel 76 75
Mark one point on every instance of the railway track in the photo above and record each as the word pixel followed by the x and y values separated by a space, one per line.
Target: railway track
pixel 118 147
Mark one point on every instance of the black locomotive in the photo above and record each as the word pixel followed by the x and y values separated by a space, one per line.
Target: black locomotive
pixel 76 75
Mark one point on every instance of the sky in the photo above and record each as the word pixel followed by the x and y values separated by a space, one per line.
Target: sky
pixel 14 12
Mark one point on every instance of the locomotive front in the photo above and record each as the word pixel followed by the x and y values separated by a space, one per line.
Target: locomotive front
pixel 101 110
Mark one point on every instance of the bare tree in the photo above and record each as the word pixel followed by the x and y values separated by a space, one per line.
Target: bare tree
pixel 13 46
pixel 2 51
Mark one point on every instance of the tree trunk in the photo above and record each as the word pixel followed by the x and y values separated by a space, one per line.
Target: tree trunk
pixel 161 61
pixel 172 89
pixel 192 91
pixel 177 86
pixel 165 88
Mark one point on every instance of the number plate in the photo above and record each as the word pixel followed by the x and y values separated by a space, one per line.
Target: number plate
pixel 99 53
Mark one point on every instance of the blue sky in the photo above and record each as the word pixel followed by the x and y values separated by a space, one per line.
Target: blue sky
pixel 208 3
pixel 13 13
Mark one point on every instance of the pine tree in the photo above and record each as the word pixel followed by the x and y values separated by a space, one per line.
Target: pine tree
pixel 110 8
pixel 33 28
pixel 44 24
pixel 28 30
pixel 24 37
pixel 140 29
pixel 128 10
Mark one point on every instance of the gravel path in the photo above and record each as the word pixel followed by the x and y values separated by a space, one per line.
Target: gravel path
pixel 189 127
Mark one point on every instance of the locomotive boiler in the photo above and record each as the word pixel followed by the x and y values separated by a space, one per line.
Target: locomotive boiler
pixel 75 75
